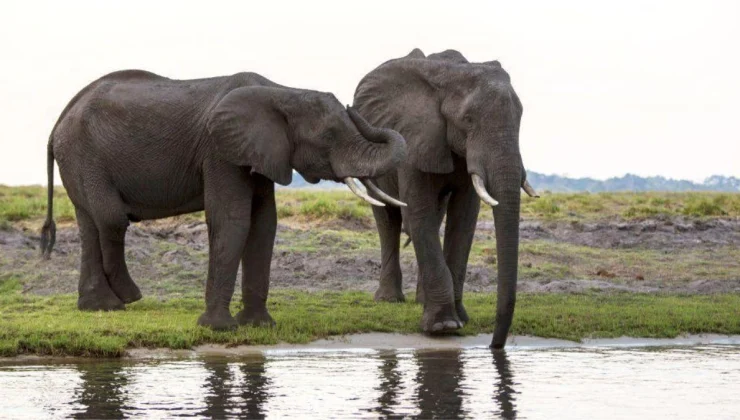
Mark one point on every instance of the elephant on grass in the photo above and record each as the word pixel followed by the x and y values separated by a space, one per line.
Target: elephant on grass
pixel 135 146
pixel 461 121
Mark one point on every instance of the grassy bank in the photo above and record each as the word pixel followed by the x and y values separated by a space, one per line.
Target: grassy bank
pixel 29 204
pixel 53 326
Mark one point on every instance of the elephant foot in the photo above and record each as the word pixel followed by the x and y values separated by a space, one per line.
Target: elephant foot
pixel 389 294
pixel 440 319
pixel 255 318
pixel 126 290
pixel 219 320
pixel 461 312
pixel 100 299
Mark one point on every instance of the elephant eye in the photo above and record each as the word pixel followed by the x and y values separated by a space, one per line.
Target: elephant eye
pixel 328 136
pixel 467 119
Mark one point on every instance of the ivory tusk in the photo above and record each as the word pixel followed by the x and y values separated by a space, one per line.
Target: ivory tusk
pixel 529 190
pixel 480 188
pixel 383 196
pixel 362 194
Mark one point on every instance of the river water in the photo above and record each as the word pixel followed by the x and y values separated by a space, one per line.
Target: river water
pixel 614 382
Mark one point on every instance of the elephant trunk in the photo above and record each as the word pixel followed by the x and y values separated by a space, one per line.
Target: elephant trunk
pixel 503 178
pixel 375 153
pixel 506 222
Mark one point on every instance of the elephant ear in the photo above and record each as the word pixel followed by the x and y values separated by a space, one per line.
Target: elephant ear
pixel 247 131
pixel 397 95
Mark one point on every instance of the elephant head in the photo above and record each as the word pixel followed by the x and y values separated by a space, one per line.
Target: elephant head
pixel 445 106
pixel 274 130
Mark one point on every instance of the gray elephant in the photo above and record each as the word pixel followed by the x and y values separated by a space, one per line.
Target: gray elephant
pixel 134 146
pixel 461 122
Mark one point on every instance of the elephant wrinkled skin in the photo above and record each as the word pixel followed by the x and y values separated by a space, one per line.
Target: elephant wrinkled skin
pixel 133 146
pixel 461 121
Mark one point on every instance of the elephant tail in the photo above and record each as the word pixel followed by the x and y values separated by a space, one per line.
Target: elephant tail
pixel 49 230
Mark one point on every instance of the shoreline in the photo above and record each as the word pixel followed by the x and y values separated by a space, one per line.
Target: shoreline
pixel 368 342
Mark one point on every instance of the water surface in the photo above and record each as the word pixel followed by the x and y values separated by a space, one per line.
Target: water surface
pixel 648 382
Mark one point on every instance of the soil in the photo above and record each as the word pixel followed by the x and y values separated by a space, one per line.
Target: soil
pixel 168 258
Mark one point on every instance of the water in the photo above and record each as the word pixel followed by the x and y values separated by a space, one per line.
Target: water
pixel 649 382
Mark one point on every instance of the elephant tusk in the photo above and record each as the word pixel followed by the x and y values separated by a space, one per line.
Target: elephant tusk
pixel 362 194
pixel 381 194
pixel 480 188
pixel 529 190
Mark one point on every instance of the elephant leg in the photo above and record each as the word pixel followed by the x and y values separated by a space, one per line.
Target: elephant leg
pixel 436 281
pixel 112 226
pixel 258 255
pixel 388 220
pixel 462 214
pixel 228 205
pixel 94 291
pixel 439 214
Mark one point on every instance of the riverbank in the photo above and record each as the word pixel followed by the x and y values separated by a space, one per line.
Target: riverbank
pixel 51 325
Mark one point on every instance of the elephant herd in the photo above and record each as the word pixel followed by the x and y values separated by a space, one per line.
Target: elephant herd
pixel 437 131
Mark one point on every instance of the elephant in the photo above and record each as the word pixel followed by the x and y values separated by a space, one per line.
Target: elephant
pixel 461 122
pixel 135 146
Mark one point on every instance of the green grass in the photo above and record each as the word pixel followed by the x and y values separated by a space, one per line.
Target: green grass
pixel 53 325
pixel 29 203
pixel 24 203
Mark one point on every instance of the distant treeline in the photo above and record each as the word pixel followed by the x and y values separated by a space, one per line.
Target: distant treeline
pixel 629 182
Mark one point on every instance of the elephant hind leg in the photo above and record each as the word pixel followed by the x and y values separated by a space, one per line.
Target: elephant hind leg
pixel 388 220
pixel 94 291
pixel 112 223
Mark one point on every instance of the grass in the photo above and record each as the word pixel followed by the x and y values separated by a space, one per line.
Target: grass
pixel 53 326
pixel 548 260
pixel 29 203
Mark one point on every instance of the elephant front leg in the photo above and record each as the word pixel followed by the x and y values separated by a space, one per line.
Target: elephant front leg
pixel 439 215
pixel 436 281
pixel 258 255
pixel 462 215
pixel 228 196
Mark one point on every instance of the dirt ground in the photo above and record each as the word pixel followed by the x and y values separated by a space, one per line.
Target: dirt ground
pixel 169 258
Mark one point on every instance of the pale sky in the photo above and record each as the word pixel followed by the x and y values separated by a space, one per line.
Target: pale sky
pixel 650 88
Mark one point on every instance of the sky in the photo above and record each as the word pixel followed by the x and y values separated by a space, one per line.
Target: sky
pixel 648 87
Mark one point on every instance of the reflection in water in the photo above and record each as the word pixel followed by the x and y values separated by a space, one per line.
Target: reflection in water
pixel 255 391
pixel 504 391
pixel 217 389
pixel 390 383
pixel 224 394
pixel 439 376
pixel 685 382
pixel 101 391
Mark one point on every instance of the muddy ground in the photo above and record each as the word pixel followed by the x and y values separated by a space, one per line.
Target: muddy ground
pixel 169 258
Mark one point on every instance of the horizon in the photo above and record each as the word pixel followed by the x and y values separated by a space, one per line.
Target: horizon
pixel 643 89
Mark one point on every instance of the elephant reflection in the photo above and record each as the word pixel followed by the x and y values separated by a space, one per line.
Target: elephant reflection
pixel 439 379
pixel 390 384
pixel 101 392
pixel 504 391
pixel 222 387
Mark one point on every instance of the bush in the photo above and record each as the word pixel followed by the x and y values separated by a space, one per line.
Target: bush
pixel 705 207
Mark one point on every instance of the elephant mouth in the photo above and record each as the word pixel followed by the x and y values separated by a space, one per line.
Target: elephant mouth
pixel 310 179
